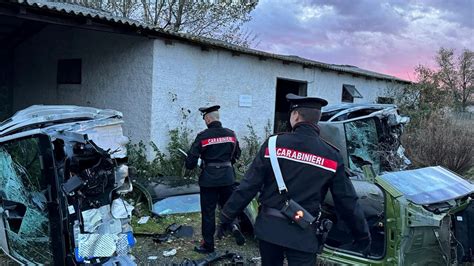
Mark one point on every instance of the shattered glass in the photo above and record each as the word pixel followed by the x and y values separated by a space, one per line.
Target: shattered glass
pixel 362 144
pixel 178 204
pixel 21 182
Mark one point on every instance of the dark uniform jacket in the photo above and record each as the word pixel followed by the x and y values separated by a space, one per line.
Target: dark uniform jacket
pixel 310 167
pixel 214 145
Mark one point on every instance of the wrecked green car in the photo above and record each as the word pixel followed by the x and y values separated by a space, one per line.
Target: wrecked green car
pixel 416 217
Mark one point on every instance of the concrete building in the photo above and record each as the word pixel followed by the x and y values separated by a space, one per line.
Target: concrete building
pixel 59 53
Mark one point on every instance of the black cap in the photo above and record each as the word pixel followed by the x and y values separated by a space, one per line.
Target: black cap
pixel 206 110
pixel 297 101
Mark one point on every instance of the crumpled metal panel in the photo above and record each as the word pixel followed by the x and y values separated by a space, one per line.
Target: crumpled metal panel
pixel 91 220
pixel 121 209
pixel 38 114
pixel 110 226
pixel 94 218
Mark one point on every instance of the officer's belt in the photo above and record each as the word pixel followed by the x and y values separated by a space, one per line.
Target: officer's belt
pixel 224 164
pixel 273 212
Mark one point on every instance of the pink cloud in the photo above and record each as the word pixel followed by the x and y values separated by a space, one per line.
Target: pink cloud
pixel 391 37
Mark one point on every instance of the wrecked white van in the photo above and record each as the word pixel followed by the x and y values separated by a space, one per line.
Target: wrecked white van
pixel 63 173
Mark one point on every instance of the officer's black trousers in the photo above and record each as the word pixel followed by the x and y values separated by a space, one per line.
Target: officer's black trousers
pixel 272 255
pixel 210 197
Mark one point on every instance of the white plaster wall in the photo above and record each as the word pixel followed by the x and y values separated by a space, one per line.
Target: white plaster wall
pixel 186 78
pixel 116 73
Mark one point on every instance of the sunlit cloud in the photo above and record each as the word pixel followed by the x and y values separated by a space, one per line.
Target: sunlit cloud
pixel 391 37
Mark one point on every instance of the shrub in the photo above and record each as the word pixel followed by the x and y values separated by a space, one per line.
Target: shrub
pixel 164 168
pixel 137 158
pixel 250 145
pixel 440 139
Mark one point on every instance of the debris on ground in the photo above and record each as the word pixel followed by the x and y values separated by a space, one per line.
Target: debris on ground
pixel 143 220
pixel 168 253
pixel 184 245
pixel 234 259
pixel 255 260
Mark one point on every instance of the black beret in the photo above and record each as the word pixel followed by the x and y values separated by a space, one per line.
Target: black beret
pixel 206 110
pixel 297 101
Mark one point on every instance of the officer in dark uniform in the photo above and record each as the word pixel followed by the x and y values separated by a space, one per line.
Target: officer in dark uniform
pixel 219 149
pixel 310 167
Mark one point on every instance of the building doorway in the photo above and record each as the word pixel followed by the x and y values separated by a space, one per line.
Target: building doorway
pixel 283 87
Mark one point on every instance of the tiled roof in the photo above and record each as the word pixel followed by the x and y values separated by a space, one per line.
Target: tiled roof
pixel 77 10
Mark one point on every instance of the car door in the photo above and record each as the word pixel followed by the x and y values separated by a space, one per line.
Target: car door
pixel 27 193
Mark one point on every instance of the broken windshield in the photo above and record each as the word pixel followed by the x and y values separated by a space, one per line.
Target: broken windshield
pixel 362 144
pixel 24 187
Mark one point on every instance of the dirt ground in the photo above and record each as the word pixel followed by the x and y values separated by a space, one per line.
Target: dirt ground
pixel 147 252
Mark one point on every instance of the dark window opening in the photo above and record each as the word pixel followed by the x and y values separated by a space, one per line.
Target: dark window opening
pixel 283 87
pixel 349 92
pixel 385 100
pixel 69 71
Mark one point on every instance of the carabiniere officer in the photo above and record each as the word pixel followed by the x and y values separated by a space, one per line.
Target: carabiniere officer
pixel 307 181
pixel 218 148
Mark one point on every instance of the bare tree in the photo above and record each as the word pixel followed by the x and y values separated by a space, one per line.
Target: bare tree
pixel 456 76
pixel 466 77
pixel 221 20
pixel 450 85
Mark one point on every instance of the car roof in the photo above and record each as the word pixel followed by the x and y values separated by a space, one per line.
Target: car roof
pixel 43 116
pixel 345 106
pixel 334 111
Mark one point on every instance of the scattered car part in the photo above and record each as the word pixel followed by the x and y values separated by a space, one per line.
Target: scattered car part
pixel 169 253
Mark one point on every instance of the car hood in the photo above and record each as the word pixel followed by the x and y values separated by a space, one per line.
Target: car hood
pixel 429 185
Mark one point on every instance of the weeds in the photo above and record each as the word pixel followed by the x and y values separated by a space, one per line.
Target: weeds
pixel 441 140
pixel 163 168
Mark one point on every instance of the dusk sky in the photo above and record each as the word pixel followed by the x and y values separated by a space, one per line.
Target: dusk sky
pixel 390 37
